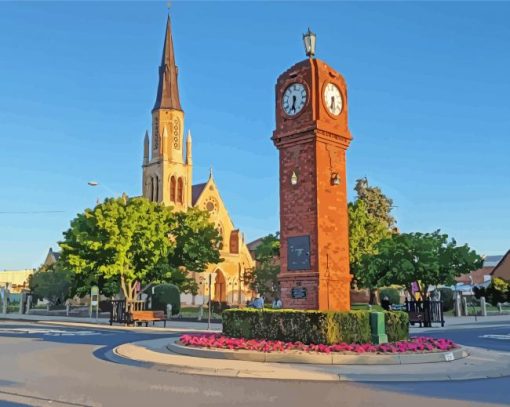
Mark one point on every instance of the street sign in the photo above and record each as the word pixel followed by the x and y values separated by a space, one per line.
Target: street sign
pixel 94 299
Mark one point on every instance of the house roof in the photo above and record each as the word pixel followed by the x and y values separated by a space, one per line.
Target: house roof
pixel 196 191
pixel 252 246
pixel 492 261
pixel 477 275
pixel 501 262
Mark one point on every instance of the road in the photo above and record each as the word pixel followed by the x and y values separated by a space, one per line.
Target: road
pixel 45 365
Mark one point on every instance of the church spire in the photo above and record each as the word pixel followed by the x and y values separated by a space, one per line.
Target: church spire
pixel 168 90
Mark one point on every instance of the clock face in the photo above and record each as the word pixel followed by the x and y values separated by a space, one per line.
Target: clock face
pixel 294 99
pixel 333 99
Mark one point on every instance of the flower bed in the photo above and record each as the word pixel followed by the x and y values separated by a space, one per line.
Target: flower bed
pixel 413 345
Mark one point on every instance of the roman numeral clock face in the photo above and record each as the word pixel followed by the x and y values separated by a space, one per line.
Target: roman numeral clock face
pixel 333 99
pixel 294 99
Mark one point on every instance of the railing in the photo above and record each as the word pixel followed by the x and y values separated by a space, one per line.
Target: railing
pixel 120 311
pixel 425 312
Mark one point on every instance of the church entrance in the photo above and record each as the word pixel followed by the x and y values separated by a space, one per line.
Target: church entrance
pixel 220 287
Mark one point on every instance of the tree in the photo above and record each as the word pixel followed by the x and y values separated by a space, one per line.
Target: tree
pixel 365 231
pixel 377 204
pixel 52 283
pixel 428 258
pixel 264 278
pixel 123 242
pixel 196 245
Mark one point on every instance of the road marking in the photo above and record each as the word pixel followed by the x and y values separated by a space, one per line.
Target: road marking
pixel 495 336
pixel 47 332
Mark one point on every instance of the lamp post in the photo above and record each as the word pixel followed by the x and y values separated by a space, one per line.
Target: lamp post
pixel 309 41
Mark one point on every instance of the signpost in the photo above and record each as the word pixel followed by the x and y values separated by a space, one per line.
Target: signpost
pixel 94 299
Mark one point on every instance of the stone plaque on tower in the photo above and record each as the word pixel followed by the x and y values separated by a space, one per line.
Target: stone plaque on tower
pixel 312 137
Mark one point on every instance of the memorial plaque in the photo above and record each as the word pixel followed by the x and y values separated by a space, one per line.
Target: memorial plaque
pixel 298 253
pixel 298 292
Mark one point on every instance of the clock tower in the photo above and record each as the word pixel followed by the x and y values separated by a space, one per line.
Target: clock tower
pixel 312 137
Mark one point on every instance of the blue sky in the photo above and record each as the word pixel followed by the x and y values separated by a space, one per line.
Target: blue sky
pixel 428 102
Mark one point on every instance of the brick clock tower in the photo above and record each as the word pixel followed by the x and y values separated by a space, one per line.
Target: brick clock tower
pixel 312 137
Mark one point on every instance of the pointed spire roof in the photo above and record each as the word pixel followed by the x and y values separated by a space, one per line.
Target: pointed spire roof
pixel 168 89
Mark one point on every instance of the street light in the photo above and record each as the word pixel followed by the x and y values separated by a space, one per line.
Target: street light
pixel 309 41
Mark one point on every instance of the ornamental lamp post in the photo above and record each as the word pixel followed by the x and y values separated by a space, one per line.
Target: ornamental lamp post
pixel 309 41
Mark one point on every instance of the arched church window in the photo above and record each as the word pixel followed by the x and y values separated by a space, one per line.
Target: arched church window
pixel 151 191
pixel 172 189
pixel 180 190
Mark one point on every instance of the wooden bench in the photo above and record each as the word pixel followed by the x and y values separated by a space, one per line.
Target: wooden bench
pixel 140 317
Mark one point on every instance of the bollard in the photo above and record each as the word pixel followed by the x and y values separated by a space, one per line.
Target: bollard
pixel 458 310
pixel 483 305
pixel 168 312
pixel 200 312
pixel 377 326
pixel 29 303
pixel 500 308
pixel 4 300
pixel 464 306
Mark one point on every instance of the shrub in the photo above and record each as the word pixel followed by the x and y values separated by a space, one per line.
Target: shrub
pixel 298 326
pixel 166 294
pixel 397 325
pixel 392 293
pixel 447 298
pixel 218 307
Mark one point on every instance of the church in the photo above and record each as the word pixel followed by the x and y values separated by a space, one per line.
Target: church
pixel 168 179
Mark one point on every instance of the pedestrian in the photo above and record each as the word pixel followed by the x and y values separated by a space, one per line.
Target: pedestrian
pixel 277 303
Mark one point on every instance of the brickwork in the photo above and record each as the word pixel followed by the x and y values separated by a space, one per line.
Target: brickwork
pixel 312 149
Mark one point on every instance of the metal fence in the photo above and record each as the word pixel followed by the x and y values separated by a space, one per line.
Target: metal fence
pixel 120 311
pixel 425 312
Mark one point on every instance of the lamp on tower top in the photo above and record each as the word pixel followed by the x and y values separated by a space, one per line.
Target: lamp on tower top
pixel 309 41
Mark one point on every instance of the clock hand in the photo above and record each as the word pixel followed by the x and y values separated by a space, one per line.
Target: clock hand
pixel 332 106
pixel 293 108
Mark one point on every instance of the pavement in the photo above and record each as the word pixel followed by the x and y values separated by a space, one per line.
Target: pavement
pixel 62 364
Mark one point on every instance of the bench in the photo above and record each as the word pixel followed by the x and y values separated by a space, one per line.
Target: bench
pixel 140 317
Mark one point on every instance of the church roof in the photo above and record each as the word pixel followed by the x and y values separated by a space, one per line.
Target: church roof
pixel 196 191
pixel 168 89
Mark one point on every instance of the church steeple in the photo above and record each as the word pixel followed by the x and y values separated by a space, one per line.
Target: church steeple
pixel 168 89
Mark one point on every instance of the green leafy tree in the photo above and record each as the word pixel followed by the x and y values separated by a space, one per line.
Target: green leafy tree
pixel 125 241
pixel 52 283
pixel 365 231
pixel 122 240
pixel 264 278
pixel 377 204
pixel 427 258
pixel 196 245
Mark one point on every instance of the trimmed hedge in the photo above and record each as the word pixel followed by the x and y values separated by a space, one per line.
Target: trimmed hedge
pixel 166 294
pixel 306 326
pixel 397 325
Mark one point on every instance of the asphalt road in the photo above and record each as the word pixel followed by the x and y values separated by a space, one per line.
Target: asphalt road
pixel 43 365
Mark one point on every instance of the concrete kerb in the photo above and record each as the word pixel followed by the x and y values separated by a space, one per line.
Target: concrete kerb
pixel 481 364
pixel 317 358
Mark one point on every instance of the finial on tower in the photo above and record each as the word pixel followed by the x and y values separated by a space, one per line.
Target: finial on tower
pixel 210 172
pixel 146 148
pixel 309 41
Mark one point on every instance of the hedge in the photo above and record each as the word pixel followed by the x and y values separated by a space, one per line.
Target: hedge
pixel 397 325
pixel 166 294
pixel 318 327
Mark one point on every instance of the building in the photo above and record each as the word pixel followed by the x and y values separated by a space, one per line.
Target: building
pixel 168 178
pixel 483 275
pixel 15 280
pixel 502 268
